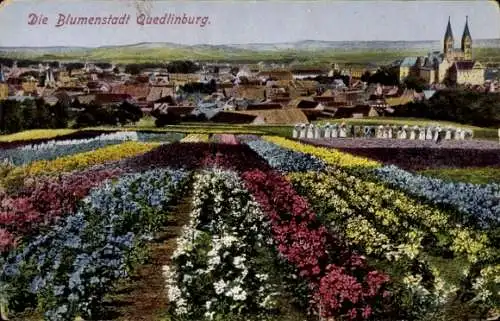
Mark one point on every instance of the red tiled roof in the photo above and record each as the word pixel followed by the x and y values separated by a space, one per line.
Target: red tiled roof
pixel 111 98
pixel 232 118
pixel 136 91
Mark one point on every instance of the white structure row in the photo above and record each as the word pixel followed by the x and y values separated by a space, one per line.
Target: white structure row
pixel 312 131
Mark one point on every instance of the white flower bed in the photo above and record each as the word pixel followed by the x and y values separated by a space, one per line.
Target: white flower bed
pixel 58 148
pixel 221 265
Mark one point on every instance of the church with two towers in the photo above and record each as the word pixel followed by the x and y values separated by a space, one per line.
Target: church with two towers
pixel 453 65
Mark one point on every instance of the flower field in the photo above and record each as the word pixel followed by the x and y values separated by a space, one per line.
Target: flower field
pixel 420 155
pixel 261 228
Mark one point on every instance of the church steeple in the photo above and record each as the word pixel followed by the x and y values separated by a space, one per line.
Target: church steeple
pixel 467 41
pixel 448 39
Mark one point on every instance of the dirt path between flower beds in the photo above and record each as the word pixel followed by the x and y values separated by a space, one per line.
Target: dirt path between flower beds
pixel 143 298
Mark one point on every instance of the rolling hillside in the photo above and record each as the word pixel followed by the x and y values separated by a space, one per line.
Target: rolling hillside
pixel 304 51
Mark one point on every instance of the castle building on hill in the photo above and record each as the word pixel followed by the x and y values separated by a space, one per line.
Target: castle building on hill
pixel 455 65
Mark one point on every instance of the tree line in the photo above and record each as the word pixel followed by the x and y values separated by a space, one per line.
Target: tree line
pixel 17 116
pixel 458 105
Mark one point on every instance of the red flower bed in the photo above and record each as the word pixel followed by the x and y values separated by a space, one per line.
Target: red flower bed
pixel 175 155
pixel 43 200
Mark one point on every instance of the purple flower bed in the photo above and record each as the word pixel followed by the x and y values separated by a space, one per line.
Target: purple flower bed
pixel 418 155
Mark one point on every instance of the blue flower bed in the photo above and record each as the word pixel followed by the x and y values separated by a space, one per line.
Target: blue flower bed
pixel 481 201
pixel 159 137
pixel 55 149
pixel 72 266
pixel 284 159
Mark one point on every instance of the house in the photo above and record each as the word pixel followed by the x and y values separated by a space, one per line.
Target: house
pixel 104 99
pixel 467 72
pixel 250 92
pixel 275 75
pixel 138 91
pixel 404 67
pixel 309 104
pixel 4 91
pixel 157 92
pixel 278 116
pixel 235 118
pixel 263 106
pixel 282 101
pixel 428 93
pixel 358 111
pixel 182 79
pixel 307 73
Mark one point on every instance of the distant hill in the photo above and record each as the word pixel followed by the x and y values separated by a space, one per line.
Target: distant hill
pixel 310 52
pixel 305 45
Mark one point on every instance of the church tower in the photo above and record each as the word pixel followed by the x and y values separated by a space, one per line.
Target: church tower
pixel 467 41
pixel 448 41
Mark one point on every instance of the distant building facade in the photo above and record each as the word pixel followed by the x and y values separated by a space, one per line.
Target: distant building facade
pixel 453 64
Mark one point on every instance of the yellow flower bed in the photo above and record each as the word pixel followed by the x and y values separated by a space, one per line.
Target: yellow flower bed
pixel 82 160
pixel 329 155
pixel 195 138
pixel 36 134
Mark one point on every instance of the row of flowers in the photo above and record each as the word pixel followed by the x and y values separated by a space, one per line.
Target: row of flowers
pixel 392 228
pixel 224 138
pixel 284 159
pixel 12 176
pixel 35 134
pixel 54 149
pixel 339 281
pixel 328 155
pixel 462 154
pixel 73 265
pixel 42 201
pixel 223 264
pixel 482 201
pixel 195 138
pixel 162 137
pixel 44 135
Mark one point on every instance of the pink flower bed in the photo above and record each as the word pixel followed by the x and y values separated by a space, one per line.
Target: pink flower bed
pixel 226 139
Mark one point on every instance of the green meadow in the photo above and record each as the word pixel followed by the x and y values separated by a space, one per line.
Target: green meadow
pixel 133 54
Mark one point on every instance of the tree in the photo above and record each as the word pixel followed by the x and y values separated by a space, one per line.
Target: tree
pixel 415 82
pixel 385 77
pixel 133 69
pixel 61 115
pixel 11 118
pixel 128 112
pixel 462 106
pixel 182 67
pixel 54 64
pixel 103 65
pixel 366 76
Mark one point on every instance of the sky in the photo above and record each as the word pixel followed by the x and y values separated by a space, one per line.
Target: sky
pixel 241 22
